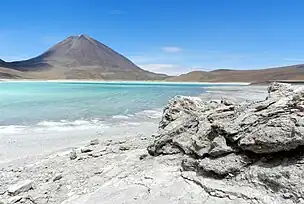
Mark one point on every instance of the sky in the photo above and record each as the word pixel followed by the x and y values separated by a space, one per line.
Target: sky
pixel 164 36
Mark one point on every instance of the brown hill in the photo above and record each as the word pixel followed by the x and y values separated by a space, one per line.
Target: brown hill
pixel 81 57
pixel 295 72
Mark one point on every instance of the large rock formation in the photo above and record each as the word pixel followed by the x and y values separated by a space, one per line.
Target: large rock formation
pixel 257 143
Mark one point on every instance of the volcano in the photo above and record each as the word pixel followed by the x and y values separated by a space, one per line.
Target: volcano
pixel 81 57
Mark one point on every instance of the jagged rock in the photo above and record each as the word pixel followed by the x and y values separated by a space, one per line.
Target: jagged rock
pixel 230 163
pixel 203 130
pixel 21 186
pixel 276 127
pixel 219 147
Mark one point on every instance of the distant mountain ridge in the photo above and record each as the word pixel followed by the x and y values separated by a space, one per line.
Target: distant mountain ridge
pixel 81 57
pixel 294 72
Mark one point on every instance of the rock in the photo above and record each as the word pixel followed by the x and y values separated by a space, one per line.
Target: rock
pixel 21 186
pixel 219 147
pixel 96 154
pixel 189 164
pixel 199 128
pixel 122 141
pixel 86 149
pixel 141 157
pixel 178 106
pixel 57 177
pixel 222 166
pixel 287 195
pixel 14 199
pixel 124 148
pixel 73 155
pixel 94 142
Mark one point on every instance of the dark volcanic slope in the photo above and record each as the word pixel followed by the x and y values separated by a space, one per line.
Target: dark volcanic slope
pixel 82 57
pixel 295 72
pixel 2 63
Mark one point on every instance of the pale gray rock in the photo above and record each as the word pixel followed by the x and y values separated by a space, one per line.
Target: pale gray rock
pixel 219 147
pixel 222 166
pixel 21 186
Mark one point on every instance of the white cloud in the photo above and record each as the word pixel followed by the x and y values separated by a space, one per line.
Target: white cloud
pixel 170 69
pixel 172 49
pixel 13 58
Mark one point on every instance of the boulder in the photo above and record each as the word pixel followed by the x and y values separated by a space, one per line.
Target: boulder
pixel 224 137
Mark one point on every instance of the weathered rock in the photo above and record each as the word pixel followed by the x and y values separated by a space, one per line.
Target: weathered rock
pixel 219 147
pixel 195 127
pixel 21 186
pixel 222 166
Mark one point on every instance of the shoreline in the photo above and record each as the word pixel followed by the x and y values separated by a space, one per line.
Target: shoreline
pixel 49 138
pixel 125 82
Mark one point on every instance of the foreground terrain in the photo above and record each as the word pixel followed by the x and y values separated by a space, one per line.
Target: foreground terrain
pixel 218 151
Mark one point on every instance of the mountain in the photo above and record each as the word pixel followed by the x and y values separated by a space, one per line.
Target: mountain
pixel 2 63
pixel 81 57
pixel 295 72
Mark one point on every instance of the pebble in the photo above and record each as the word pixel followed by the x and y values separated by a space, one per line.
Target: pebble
pixel 94 142
pixel 73 155
pixel 141 157
pixel 124 148
pixel 57 177
pixel 86 150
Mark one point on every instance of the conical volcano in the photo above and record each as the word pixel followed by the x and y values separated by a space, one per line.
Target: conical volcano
pixel 82 57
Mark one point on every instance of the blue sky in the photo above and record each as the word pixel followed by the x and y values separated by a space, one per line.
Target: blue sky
pixel 168 36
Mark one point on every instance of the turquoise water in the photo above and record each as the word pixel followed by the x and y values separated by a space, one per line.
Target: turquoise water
pixel 32 103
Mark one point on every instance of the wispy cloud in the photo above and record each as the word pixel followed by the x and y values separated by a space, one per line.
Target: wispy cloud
pixel 170 69
pixel 171 49
pixel 13 58
pixel 116 12
pixel 293 59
